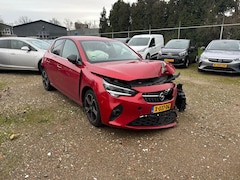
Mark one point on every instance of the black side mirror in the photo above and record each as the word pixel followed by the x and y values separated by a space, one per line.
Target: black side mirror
pixel 73 58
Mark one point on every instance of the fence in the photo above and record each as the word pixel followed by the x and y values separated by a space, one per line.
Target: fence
pixel 201 35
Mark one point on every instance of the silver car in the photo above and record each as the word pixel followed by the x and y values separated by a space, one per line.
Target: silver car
pixel 221 56
pixel 21 53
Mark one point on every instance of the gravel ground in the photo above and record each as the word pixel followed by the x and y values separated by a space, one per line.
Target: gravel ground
pixel 44 135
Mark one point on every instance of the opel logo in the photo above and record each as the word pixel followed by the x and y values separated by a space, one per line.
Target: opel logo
pixel 161 96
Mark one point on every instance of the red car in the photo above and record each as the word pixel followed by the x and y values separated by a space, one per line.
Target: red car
pixel 113 83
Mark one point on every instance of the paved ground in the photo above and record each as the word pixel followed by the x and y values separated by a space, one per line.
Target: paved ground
pixel 53 140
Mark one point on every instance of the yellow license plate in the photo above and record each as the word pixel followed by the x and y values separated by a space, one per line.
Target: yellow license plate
pixel 220 65
pixel 169 60
pixel 161 108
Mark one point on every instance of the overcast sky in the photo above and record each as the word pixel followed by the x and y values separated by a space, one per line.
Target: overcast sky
pixel 75 10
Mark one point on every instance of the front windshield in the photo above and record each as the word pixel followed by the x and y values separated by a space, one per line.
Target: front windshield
pixel 177 44
pixel 104 51
pixel 143 41
pixel 39 43
pixel 224 45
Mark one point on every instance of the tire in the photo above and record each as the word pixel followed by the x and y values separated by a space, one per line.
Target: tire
pixel 148 56
pixel 39 66
pixel 186 63
pixel 46 83
pixel 91 108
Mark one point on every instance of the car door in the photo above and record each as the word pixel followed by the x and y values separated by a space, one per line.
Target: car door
pixel 192 50
pixel 152 47
pixel 22 59
pixel 52 61
pixel 4 53
pixel 69 73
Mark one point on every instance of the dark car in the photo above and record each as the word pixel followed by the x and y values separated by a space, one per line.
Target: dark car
pixel 221 56
pixel 115 86
pixel 179 52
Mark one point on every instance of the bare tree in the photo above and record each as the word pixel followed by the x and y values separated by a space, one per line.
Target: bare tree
pixel 55 21
pixel 23 20
pixel 68 24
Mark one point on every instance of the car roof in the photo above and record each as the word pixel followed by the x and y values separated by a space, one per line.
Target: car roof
pixel 17 38
pixel 86 38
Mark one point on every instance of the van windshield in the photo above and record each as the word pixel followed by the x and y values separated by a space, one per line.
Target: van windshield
pixel 143 41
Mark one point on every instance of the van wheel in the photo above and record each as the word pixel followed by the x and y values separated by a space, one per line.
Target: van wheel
pixel 187 62
pixel 148 56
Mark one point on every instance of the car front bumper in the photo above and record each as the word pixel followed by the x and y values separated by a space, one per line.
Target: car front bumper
pixel 175 60
pixel 231 67
pixel 138 113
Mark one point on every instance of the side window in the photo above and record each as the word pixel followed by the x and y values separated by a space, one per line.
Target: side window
pixel 57 47
pixel 16 44
pixel 152 43
pixel 69 48
pixel 4 44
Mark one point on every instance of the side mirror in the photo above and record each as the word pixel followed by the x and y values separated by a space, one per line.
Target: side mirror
pixel 25 48
pixel 73 58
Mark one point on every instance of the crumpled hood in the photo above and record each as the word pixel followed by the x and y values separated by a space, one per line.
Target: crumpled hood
pixel 216 54
pixel 129 70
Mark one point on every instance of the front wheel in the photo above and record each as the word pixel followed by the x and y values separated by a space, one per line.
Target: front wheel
pixel 46 82
pixel 148 56
pixel 91 108
pixel 187 62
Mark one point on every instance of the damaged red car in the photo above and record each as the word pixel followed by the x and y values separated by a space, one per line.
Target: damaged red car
pixel 115 86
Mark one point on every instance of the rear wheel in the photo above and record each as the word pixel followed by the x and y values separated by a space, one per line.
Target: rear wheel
pixel 91 108
pixel 46 82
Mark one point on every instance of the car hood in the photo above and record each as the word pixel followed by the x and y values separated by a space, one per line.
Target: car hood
pixel 131 70
pixel 138 48
pixel 216 54
pixel 175 51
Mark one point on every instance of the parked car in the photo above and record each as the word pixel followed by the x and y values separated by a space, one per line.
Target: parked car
pixel 221 56
pixel 115 86
pixel 147 45
pixel 21 53
pixel 179 52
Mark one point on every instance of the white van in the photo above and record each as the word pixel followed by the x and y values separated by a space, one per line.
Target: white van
pixel 147 45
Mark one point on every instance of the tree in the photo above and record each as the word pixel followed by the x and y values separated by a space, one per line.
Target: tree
pixel 120 16
pixel 23 20
pixel 54 21
pixel 68 24
pixel 103 24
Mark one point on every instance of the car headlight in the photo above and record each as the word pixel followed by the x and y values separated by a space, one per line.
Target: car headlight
pixel 117 90
pixel 203 58
pixel 184 53
pixel 237 59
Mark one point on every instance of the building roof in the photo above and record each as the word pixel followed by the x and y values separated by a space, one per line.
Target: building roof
pixel 39 21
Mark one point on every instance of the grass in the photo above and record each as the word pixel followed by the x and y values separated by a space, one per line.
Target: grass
pixel 192 71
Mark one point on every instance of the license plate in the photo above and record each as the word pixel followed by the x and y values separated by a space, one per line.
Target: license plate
pixel 220 65
pixel 169 60
pixel 161 108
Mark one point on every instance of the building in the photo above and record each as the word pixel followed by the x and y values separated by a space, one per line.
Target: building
pixel 84 32
pixel 6 30
pixel 40 29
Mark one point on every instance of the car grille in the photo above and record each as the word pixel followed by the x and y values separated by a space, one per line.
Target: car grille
pixel 219 68
pixel 159 119
pixel 221 60
pixel 170 54
pixel 160 96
